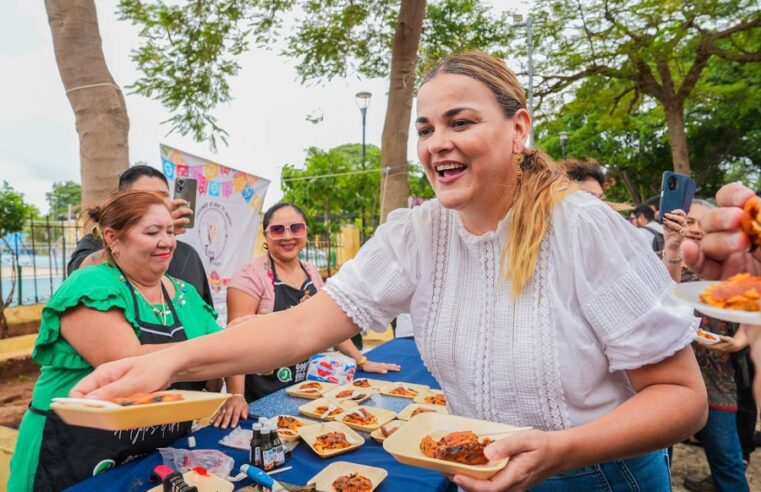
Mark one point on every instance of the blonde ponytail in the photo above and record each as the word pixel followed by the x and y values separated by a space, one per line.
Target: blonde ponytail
pixel 542 184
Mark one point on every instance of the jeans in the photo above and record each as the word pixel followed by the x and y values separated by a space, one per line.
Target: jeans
pixel 722 447
pixel 646 473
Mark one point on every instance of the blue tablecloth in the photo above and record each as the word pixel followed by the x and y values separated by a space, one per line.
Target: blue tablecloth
pixel 134 476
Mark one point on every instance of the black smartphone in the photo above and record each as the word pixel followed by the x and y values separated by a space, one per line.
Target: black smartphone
pixel 185 188
pixel 677 191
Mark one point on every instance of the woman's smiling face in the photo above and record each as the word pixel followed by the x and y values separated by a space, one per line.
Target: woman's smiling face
pixel 466 143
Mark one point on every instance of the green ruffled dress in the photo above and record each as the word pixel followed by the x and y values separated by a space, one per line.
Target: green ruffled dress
pixel 101 287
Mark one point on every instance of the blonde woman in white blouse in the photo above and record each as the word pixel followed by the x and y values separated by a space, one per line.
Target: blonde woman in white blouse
pixel 532 304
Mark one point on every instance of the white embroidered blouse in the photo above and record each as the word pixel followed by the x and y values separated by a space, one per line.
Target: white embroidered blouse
pixel 552 358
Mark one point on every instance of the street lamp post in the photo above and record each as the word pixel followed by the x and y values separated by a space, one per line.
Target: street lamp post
pixel 363 101
pixel 563 141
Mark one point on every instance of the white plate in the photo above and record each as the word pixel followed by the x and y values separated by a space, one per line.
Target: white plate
pixel 689 293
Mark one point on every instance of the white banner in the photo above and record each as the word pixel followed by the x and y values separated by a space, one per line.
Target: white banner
pixel 228 205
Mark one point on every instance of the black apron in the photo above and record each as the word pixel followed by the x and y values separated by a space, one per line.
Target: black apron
pixel 70 454
pixel 261 385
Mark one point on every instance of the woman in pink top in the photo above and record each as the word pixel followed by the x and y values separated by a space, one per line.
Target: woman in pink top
pixel 276 281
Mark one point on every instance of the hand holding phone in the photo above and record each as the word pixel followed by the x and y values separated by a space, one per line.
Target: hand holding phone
pixel 185 189
pixel 677 191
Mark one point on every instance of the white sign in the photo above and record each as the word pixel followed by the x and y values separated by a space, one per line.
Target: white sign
pixel 228 205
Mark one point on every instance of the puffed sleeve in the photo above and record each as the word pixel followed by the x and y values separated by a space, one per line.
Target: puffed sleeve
pixel 378 283
pixel 625 291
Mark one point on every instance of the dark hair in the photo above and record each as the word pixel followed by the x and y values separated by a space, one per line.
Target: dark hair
pixel 645 211
pixel 654 201
pixel 580 171
pixel 136 172
pixel 271 211
pixel 122 210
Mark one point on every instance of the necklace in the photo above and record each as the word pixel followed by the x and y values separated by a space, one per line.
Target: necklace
pixel 160 313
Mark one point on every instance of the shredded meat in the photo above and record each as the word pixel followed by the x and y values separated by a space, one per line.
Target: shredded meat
pixel 741 292
pixel 435 399
pixel 286 422
pixel 324 408
pixel 461 447
pixel 344 393
pixel 361 383
pixel 331 440
pixel 361 416
pixel 143 398
pixel 352 483
pixel 402 391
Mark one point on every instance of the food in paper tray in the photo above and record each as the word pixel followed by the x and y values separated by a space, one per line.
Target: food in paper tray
pixel 287 422
pixel 354 482
pixel 708 335
pixel 323 410
pixel 311 387
pixel 144 398
pixel 436 399
pixel 345 393
pixel 387 431
pixel 402 390
pixel 331 440
pixel 360 416
pixel 461 447
pixel 421 410
pixel 752 220
pixel 361 383
pixel 351 394
pixel 741 292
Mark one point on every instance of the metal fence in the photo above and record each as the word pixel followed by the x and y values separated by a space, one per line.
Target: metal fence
pixel 33 262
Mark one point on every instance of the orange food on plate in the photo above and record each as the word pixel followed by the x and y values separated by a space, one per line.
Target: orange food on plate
pixel 752 220
pixel 331 440
pixel 360 416
pixel 361 383
pixel 403 391
pixel 287 422
pixel 741 292
pixel 435 399
pixel 312 387
pixel 144 398
pixel 322 409
pixel 461 447
pixel 421 410
pixel 352 483
pixel 386 431
pixel 707 335
pixel 345 393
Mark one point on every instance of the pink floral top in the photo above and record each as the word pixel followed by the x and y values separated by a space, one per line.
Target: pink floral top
pixel 256 279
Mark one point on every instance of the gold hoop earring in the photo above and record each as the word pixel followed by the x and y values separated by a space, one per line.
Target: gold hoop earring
pixel 518 159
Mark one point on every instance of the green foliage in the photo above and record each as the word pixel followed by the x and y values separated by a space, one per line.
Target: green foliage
pixel 13 211
pixel 342 197
pixel 188 50
pixel 62 196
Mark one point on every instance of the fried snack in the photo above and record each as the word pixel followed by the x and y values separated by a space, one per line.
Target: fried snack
pixel 345 393
pixel 290 423
pixel 436 399
pixel 322 409
pixel 707 335
pixel 421 410
pixel 461 447
pixel 312 387
pixel 360 416
pixel 352 483
pixel 752 220
pixel 331 440
pixel 361 383
pixel 144 398
pixel 741 292
pixel 386 431
pixel 403 391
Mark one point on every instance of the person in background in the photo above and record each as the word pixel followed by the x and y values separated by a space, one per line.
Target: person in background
pixel 186 264
pixel 123 306
pixel 532 304
pixel 654 202
pixel 276 281
pixel 589 175
pixel 644 219
pixel 720 437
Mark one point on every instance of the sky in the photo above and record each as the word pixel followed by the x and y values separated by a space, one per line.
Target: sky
pixel 266 120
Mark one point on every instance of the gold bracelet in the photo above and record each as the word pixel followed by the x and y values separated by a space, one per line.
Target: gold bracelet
pixel 237 394
pixel 362 361
pixel 678 259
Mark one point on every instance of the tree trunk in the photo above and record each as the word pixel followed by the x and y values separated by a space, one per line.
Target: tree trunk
pixel 394 185
pixel 99 109
pixel 677 136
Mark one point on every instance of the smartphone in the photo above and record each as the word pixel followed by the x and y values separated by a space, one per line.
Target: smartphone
pixel 677 191
pixel 185 188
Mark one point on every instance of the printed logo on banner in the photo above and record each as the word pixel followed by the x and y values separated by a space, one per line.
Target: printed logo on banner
pixel 213 225
pixel 227 188
pixel 247 193
pixel 210 171
pixel 215 188
pixel 239 182
pixel 203 185
pixel 182 171
pixel 196 172
pixel 168 169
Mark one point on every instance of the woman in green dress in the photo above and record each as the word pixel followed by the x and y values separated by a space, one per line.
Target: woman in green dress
pixel 126 306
